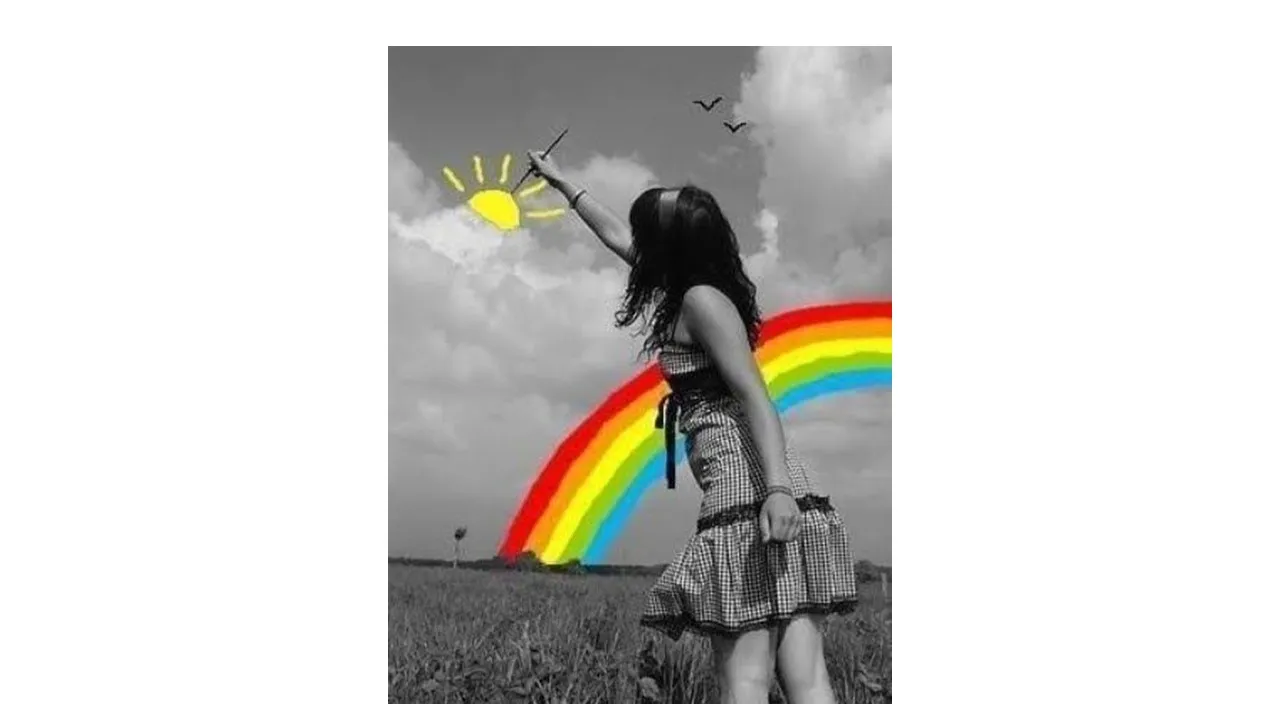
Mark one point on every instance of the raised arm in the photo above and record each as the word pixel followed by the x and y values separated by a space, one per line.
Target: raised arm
pixel 612 230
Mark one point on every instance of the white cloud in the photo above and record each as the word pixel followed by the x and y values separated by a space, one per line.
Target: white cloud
pixel 723 153
pixel 865 270
pixel 762 263
pixel 431 426
pixel 412 195
pixel 457 234
pixel 822 118
pixel 613 180
pixel 783 284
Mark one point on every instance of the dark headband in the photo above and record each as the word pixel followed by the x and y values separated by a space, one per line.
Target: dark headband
pixel 667 206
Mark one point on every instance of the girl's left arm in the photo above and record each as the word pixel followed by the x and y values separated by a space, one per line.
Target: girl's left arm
pixel 715 324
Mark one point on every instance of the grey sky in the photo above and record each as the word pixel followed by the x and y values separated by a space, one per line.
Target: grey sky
pixel 501 343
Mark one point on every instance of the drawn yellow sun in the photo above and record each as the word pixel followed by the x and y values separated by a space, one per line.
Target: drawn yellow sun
pixel 497 205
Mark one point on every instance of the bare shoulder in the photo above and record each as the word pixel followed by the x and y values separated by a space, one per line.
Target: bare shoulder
pixel 710 312
pixel 705 301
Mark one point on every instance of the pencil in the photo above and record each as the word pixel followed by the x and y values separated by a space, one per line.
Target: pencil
pixel 544 153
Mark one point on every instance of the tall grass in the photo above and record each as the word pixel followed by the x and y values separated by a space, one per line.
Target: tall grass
pixel 484 636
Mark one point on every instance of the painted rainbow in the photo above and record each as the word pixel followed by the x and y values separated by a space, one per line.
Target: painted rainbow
pixel 586 492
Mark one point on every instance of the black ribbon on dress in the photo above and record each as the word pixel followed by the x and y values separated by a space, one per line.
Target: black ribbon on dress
pixel 685 389
pixel 668 412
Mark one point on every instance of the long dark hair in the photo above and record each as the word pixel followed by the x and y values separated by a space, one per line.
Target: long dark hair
pixel 697 246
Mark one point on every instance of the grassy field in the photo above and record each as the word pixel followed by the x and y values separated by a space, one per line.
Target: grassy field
pixel 497 636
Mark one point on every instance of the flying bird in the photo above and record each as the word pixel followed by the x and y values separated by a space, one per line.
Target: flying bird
pixel 712 104
pixel 734 128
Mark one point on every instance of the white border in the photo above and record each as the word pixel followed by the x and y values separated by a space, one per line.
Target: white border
pixel 194 381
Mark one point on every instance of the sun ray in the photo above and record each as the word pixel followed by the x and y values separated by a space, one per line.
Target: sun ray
pixel 498 205
pixel 448 173
pixel 533 189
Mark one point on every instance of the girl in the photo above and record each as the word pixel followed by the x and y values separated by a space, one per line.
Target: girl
pixel 770 556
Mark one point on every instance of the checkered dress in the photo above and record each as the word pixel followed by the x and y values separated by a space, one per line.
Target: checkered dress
pixel 726 579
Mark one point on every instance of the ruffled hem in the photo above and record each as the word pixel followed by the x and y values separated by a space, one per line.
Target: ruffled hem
pixel 673 626
pixel 727 580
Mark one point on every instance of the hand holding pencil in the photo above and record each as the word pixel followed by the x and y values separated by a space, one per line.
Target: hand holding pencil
pixel 543 158
pixel 544 166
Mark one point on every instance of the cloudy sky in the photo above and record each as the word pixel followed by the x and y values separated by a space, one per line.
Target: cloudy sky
pixel 500 343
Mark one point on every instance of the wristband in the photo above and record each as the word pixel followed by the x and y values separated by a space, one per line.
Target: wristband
pixel 778 489
pixel 573 202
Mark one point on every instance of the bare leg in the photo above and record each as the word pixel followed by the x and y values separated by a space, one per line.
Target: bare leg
pixel 801 663
pixel 744 665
